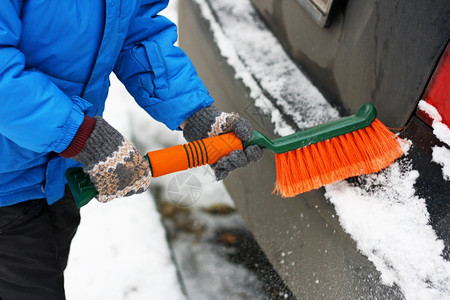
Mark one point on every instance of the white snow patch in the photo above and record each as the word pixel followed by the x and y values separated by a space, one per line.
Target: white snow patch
pixel 120 252
pixel 260 61
pixel 441 130
pixel 390 225
pixel 441 155
pixel 430 110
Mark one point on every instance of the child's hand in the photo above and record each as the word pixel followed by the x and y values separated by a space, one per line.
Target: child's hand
pixel 209 122
pixel 114 165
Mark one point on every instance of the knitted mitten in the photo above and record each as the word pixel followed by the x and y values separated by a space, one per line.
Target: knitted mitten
pixel 113 164
pixel 210 121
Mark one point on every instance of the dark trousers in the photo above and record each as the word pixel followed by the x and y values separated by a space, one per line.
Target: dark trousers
pixel 34 246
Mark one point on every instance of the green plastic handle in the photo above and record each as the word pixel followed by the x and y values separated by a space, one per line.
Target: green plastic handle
pixel 82 188
pixel 362 119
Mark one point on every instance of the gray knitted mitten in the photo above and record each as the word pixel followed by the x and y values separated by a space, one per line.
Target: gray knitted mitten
pixel 114 165
pixel 210 121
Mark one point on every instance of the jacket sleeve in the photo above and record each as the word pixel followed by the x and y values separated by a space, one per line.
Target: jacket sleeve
pixel 158 74
pixel 34 113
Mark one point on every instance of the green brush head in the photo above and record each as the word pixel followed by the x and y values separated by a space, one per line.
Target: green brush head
pixel 362 119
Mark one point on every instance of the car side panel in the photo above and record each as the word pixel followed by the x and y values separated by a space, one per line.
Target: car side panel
pixel 373 51
pixel 301 237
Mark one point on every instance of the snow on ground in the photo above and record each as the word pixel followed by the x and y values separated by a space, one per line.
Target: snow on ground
pixel 120 252
pixel 383 215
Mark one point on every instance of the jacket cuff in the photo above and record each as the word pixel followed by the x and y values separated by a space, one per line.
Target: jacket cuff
pixel 79 141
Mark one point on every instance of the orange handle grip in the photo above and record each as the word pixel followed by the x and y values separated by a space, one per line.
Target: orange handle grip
pixel 193 154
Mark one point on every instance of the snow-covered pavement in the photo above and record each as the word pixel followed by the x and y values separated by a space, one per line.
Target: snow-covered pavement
pixel 120 252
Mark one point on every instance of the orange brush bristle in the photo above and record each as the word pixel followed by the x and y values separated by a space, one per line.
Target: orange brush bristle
pixel 363 151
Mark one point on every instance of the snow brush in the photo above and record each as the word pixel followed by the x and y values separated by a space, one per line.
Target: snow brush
pixel 305 160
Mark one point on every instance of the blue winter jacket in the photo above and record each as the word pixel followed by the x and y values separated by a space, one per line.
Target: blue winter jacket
pixel 55 60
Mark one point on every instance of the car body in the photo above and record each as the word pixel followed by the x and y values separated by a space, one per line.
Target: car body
pixel 352 52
